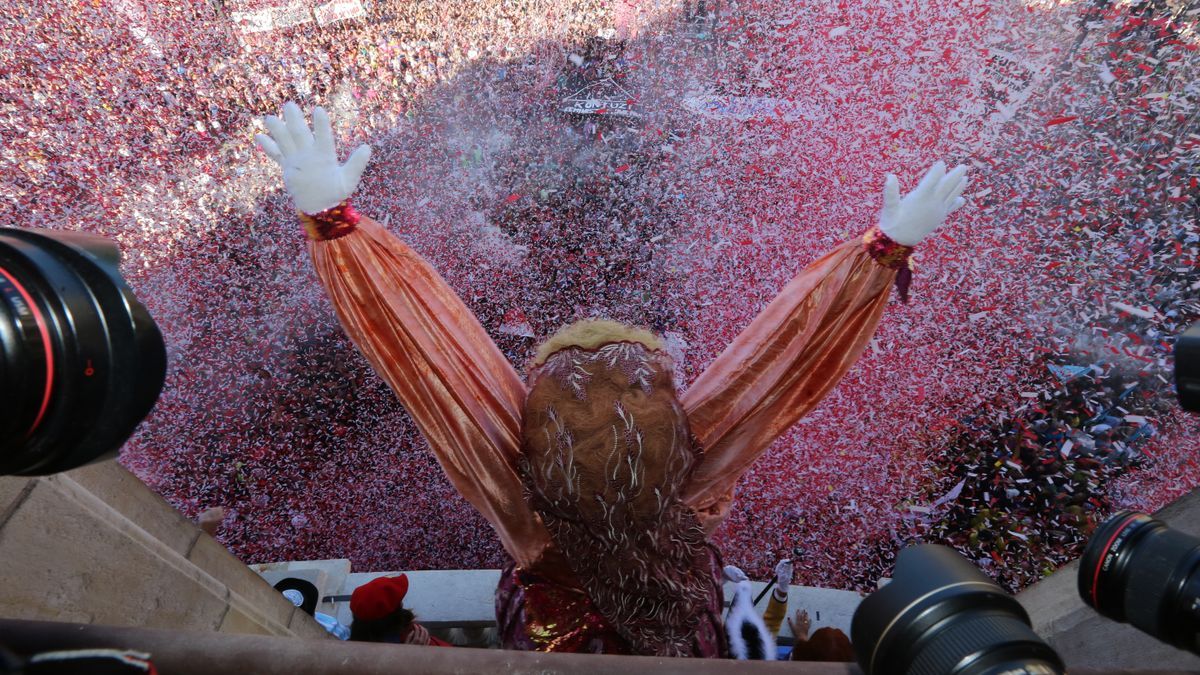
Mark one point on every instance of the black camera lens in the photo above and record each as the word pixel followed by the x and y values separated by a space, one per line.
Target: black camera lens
pixel 940 616
pixel 1187 368
pixel 1137 569
pixel 81 361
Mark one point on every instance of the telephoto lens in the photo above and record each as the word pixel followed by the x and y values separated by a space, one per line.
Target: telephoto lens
pixel 940 615
pixel 81 361
pixel 1137 569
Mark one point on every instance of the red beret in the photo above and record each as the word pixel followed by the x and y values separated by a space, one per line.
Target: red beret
pixel 378 598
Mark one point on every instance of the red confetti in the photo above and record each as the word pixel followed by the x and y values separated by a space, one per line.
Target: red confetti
pixel 1061 120
pixel 734 199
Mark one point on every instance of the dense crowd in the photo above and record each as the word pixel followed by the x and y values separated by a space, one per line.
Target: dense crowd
pixel 1103 430
pixel 1020 396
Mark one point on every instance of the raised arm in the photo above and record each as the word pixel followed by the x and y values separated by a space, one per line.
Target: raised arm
pixel 802 344
pixel 415 331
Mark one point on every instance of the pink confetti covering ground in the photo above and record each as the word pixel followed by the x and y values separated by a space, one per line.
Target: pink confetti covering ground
pixel 759 148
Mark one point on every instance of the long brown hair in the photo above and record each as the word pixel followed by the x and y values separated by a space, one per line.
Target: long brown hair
pixel 605 452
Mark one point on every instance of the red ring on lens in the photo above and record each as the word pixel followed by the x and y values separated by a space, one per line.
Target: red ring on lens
pixel 45 333
pixel 1104 554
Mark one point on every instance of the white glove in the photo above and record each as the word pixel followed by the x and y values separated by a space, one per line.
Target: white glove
pixel 310 169
pixel 907 221
pixel 783 573
pixel 735 574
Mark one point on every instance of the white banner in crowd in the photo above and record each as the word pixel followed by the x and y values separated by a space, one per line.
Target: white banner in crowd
pixel 752 108
pixel 600 98
pixel 1002 86
pixel 339 10
pixel 139 25
pixel 272 18
pixel 1007 81
pixel 258 21
pixel 291 14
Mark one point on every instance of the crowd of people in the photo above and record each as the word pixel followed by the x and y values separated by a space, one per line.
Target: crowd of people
pixel 1100 428
pixel 1078 249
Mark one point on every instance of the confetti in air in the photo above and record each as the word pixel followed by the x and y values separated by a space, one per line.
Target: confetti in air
pixel 671 166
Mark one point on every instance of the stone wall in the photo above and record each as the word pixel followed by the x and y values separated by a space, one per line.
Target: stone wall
pixel 95 545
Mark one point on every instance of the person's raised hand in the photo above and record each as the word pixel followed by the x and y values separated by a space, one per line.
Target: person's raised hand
pixel 783 573
pixel 735 574
pixel 909 220
pixel 311 173
pixel 210 520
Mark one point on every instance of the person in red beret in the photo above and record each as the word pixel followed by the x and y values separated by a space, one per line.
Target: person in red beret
pixel 380 615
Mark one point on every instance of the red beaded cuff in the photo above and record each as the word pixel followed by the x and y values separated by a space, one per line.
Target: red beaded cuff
pixel 885 251
pixel 891 255
pixel 338 221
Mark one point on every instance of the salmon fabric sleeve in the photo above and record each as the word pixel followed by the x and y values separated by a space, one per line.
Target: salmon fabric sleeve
pixel 461 391
pixel 784 363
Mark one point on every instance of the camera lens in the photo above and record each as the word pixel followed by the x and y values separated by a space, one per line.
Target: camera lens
pixel 940 615
pixel 1139 570
pixel 1187 368
pixel 81 361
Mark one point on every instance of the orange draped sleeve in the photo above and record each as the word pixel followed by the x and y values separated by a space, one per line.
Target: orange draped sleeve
pixel 784 363
pixel 426 344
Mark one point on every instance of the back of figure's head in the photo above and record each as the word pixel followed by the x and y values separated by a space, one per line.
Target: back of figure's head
pixel 605 453
pixel 605 439
pixel 592 334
